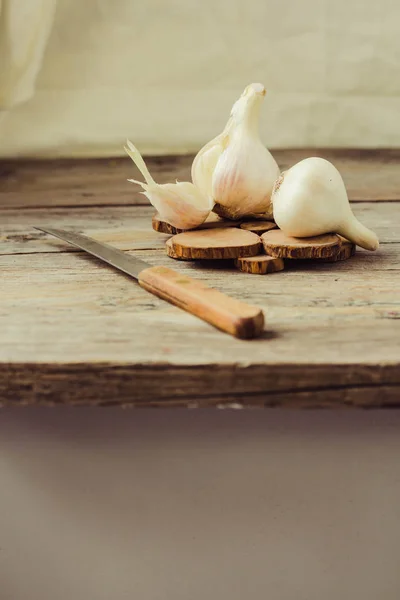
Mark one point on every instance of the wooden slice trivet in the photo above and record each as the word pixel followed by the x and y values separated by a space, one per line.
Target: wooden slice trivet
pixel 259 227
pixel 346 251
pixel 171 252
pixel 163 226
pixel 215 244
pixel 213 221
pixel 276 243
pixel 260 265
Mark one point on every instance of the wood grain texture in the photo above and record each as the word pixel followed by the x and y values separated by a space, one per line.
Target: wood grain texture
pixel 230 386
pixel 259 265
pixel 171 252
pixel 75 331
pixel 225 313
pixel 129 228
pixel 115 343
pixel 258 227
pixel 276 243
pixel 215 244
pixel 346 251
pixel 369 175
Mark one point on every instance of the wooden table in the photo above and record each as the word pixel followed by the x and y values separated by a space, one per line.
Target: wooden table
pixel 74 331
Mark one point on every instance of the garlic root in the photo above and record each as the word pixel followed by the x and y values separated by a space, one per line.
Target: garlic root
pixel 232 215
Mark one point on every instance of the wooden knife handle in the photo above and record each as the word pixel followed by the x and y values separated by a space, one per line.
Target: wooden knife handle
pixel 230 315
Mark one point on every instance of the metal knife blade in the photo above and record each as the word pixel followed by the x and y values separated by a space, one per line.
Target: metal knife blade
pixel 116 258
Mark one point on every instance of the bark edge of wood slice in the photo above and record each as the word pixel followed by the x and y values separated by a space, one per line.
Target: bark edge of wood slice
pixel 171 252
pixel 162 226
pixel 260 264
pixel 215 244
pixel 347 250
pixel 277 244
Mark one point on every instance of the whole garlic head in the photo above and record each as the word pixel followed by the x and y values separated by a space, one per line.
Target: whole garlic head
pixel 181 204
pixel 235 168
pixel 310 199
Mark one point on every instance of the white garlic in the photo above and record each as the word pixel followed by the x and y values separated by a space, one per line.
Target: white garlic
pixel 181 204
pixel 310 199
pixel 206 159
pixel 236 168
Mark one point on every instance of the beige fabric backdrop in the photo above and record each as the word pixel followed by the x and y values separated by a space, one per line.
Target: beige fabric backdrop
pixel 165 73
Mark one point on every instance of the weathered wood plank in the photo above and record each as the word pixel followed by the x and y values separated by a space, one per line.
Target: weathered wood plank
pixel 367 280
pixel 163 385
pixel 368 174
pixel 75 331
pixel 78 332
pixel 129 228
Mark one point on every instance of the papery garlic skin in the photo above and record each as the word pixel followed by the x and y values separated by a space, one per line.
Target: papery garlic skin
pixel 310 199
pixel 206 160
pixel 204 164
pixel 181 204
pixel 245 173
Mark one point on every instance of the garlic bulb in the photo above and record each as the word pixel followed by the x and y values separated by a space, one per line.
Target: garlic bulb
pixel 181 204
pixel 236 168
pixel 311 199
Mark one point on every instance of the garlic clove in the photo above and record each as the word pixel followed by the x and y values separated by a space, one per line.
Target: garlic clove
pixel 181 204
pixel 246 171
pixel 235 168
pixel 206 159
pixel 310 199
pixel 204 164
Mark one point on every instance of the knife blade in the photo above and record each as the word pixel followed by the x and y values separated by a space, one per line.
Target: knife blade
pixel 116 258
pixel 224 312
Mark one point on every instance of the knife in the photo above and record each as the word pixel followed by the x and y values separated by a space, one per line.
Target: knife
pixel 225 313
